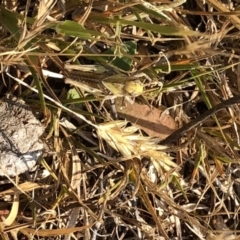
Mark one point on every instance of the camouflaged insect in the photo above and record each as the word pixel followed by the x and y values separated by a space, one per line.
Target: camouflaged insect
pixel 131 88
pixel 118 85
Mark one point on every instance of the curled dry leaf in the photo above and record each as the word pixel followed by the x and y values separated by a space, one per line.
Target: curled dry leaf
pixel 152 120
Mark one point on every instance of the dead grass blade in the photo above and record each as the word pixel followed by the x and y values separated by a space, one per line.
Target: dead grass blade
pixel 14 211
pixel 23 188
pixel 152 211
pixel 76 162
pixel 56 232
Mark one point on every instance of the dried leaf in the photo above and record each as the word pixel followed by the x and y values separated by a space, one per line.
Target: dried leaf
pixel 153 121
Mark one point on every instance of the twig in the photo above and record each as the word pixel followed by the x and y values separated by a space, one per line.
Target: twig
pixel 177 134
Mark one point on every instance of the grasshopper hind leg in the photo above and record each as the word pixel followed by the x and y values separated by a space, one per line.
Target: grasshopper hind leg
pixel 113 109
pixel 112 105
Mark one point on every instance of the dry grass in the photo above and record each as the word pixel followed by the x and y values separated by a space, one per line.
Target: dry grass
pixel 105 179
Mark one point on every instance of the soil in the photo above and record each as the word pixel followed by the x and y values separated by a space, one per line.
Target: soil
pixel 20 131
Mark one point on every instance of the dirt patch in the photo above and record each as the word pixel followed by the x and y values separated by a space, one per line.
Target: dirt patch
pixel 20 145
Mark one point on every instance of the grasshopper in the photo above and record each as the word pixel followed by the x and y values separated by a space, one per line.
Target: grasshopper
pixel 110 87
pixel 131 86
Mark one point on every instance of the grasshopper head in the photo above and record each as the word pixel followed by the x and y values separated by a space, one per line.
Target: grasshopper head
pixel 133 88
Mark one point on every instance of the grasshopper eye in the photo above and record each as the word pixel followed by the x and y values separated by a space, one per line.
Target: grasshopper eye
pixel 133 88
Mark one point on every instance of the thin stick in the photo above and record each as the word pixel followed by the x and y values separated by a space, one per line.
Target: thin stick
pixel 177 134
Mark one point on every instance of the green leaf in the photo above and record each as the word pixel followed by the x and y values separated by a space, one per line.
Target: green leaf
pixel 74 29
pixel 10 22
pixel 179 30
pixel 123 63
pixel 72 94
